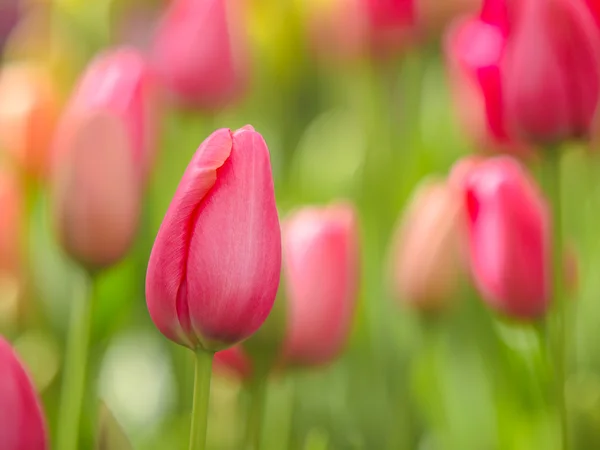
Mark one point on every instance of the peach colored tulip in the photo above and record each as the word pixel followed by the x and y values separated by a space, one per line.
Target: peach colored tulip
pixel 214 268
pixel 96 189
pixel 29 109
pixel 320 262
pixel 119 82
pixel 428 253
pixel 23 424
pixel 10 222
pixel 200 53
pixel 509 237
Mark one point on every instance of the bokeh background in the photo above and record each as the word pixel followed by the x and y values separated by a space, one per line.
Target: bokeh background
pixel 367 128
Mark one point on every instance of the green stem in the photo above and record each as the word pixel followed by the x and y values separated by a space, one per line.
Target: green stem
pixel 256 411
pixel 558 313
pixel 202 377
pixel 73 383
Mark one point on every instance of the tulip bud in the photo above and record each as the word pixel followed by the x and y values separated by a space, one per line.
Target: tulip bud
pixel 509 237
pixel 199 52
pixel 320 261
pixel 10 220
pixel 552 58
pixel 23 425
pixel 233 362
pixel 428 258
pixel 28 113
pixel 96 189
pixel 214 268
pixel 119 83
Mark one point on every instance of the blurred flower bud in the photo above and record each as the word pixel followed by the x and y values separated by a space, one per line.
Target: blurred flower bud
pixel 199 52
pixel 233 362
pixel 552 58
pixel 214 268
pixel 23 425
pixel 509 237
pixel 321 268
pixel 10 222
pixel 9 16
pixel 96 189
pixel 119 83
pixel 428 258
pixel 29 109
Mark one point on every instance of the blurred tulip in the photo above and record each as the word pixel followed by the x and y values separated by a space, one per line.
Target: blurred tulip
pixel 9 16
pixel 214 268
pixel 96 188
pixel 552 58
pixel 391 23
pixel 10 222
pixel 321 268
pixel 233 361
pixel 119 83
pixel 29 109
pixel 428 258
pixel 23 425
pixel 509 237
pixel 199 52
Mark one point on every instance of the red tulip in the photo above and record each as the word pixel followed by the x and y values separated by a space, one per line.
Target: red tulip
pixel 509 237
pixel 320 261
pixel 214 269
pixel 119 83
pixel 199 52
pixel 22 422
pixel 551 70
pixel 428 259
pixel 390 23
pixel 233 361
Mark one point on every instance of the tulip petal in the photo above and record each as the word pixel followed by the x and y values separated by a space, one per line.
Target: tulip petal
pixel 166 287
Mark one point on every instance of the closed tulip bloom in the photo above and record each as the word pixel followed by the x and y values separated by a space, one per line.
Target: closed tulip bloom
pixel 428 257
pixel 552 58
pixel 509 238
pixel 96 189
pixel 29 109
pixel 119 83
pixel 321 269
pixel 199 52
pixel 23 425
pixel 214 268
pixel 233 362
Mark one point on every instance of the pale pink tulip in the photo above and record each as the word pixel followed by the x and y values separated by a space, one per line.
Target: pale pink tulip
pixel 22 423
pixel 214 268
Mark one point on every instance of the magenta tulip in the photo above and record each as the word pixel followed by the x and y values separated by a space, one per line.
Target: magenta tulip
pixel 199 52
pixel 509 237
pixel 119 82
pixel 214 268
pixel 22 424
pixel 320 261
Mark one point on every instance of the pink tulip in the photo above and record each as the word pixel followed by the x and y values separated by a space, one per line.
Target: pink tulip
pixel 509 237
pixel 320 261
pixel 214 269
pixel 233 362
pixel 428 257
pixel 119 82
pixel 551 70
pixel 96 189
pixel 199 52
pixel 390 23
pixel 22 424
pixel 10 221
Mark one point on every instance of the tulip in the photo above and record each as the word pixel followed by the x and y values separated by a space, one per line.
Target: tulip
pixel 10 220
pixel 509 237
pixel 95 189
pixel 428 258
pixel 9 16
pixel 214 268
pixel 233 362
pixel 320 262
pixel 199 52
pixel 552 58
pixel 23 425
pixel 390 23
pixel 119 82
pixel 29 109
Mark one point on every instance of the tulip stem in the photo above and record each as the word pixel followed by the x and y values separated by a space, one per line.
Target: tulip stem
pixel 202 377
pixel 557 316
pixel 73 381
pixel 256 410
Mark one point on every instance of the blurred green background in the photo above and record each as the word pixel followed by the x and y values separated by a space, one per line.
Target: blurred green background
pixel 364 130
